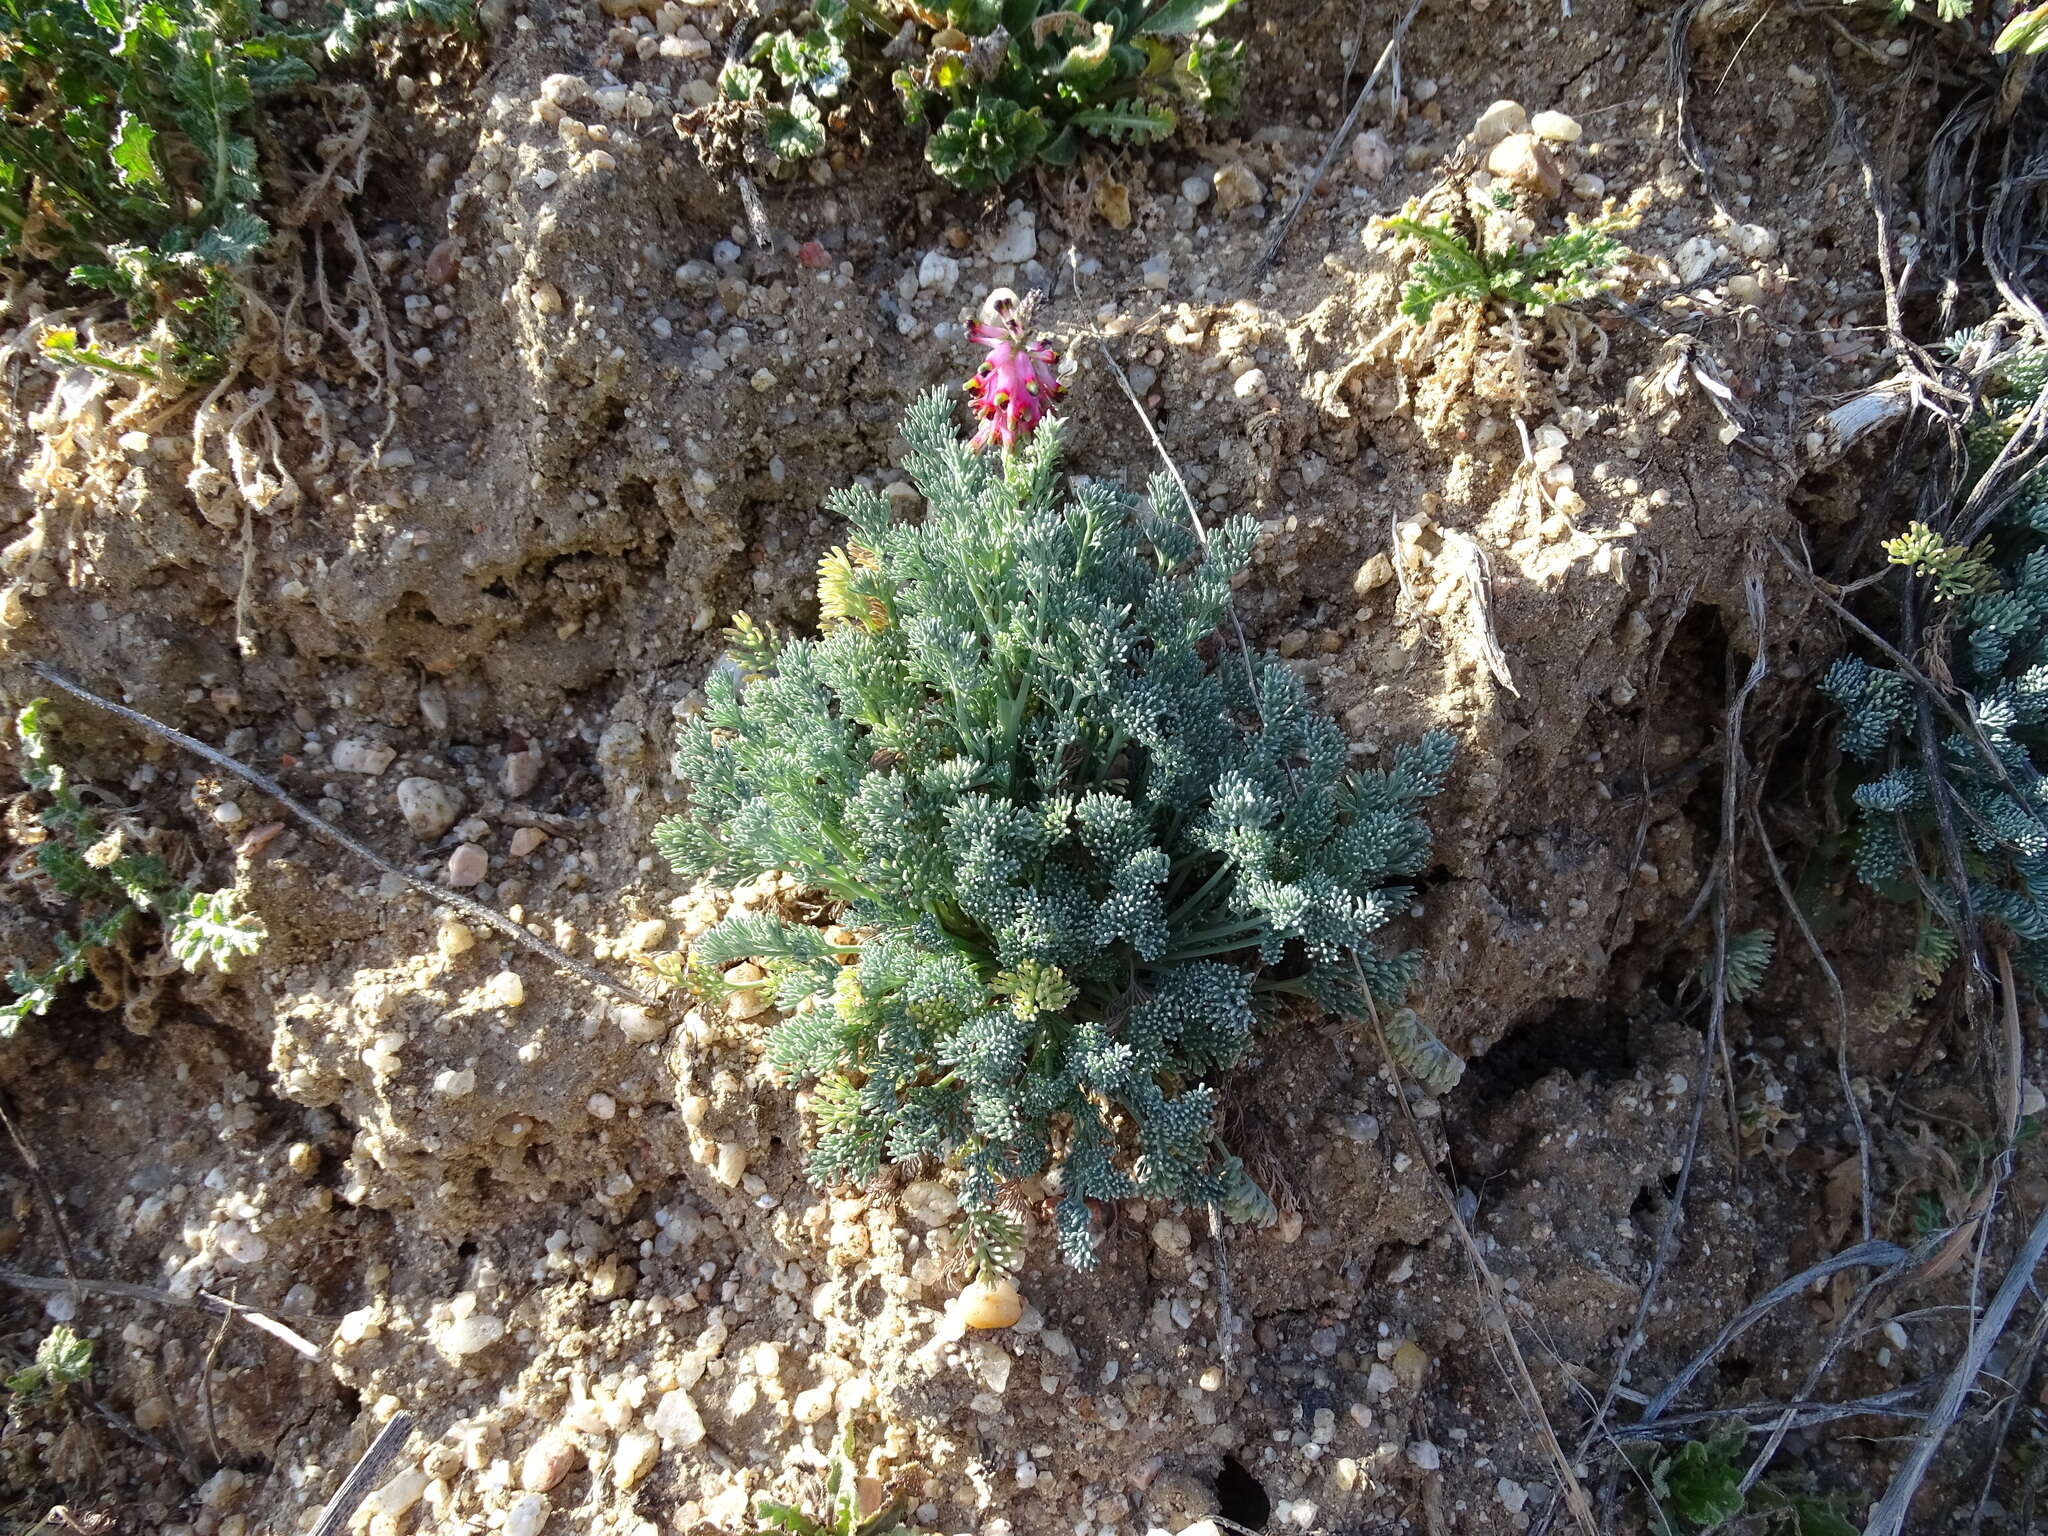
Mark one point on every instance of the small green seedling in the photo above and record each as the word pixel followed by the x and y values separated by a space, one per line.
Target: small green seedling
pixel 1560 270
pixel 842 1508
pixel 62 1360
pixel 111 884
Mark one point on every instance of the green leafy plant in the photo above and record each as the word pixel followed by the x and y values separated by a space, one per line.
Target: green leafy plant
pixel 1698 1487
pixel 1746 963
pixel 63 1359
pixel 1559 270
pixel 1086 841
pixel 128 158
pixel 1994 598
pixel 86 863
pixel 842 1515
pixel 1000 84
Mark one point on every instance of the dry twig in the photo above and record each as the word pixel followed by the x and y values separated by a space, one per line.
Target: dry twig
pixel 366 1474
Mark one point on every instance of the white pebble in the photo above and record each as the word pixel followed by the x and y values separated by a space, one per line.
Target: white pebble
pixel 428 806
pixel 548 1460
pixel 507 990
pixel 1250 383
pixel 526 1516
pixel 467 1335
pixel 467 865
pixel 1498 121
pixel 228 814
pixel 676 1421
pixel 355 755
pixel 633 1459
pixel 455 1084
pixel 1557 127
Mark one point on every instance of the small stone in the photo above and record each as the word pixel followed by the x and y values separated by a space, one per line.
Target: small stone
pixel 547 298
pixel 521 770
pixel 599 161
pixel 355 755
pixel 527 1515
pixel 1498 121
pixel 1196 190
pixel 1523 162
pixel 453 937
pixel 1557 127
pixel 633 1459
pixel 1512 1495
pixel 646 935
pixel 467 865
pixel 428 806
pixel 1425 1455
pixel 1018 241
pixel 938 271
pixel 762 381
pixel 1157 270
pixel 238 1245
pixel 1250 384
pixel 2032 1100
pixel 752 997
pixel 1374 574
pixel 1170 1235
pixel 637 1024
pixel 228 814
pixel 729 1163
pixel 676 1422
pixel 811 1404
pixel 392 1502
pixel 525 840
pixel 1754 241
pixel 1236 187
pixel 564 90
pixel 507 990
pixel 467 1335
pixel 452 1083
pixel 814 256
pixel 991 1304
pixel 929 1203
pixel 548 1460
pixel 1371 155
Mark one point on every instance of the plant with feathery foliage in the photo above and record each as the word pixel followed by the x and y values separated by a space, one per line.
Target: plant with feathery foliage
pixel 111 882
pixel 1083 856
pixel 1994 597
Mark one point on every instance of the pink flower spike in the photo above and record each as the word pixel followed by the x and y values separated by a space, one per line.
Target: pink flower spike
pixel 1015 387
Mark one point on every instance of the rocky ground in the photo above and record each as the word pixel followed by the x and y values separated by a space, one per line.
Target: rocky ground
pixel 453 561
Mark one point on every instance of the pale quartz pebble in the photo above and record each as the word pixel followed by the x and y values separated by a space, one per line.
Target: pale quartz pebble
pixel 645 935
pixel 467 865
pixel 228 814
pixel 1523 162
pixel 730 1164
pixel 603 1106
pixel 1498 121
pixel 467 1335
pixel 521 770
pixel 1425 1455
pixel 1557 127
pixel 633 1459
pixel 507 990
pixel 548 1460
pixel 1249 384
pixel 1371 155
pixel 812 1404
pixel 564 90
pixel 1512 1495
pixel 637 1024
pixel 751 998
pixel 990 1304
pixel 1373 575
pixel 526 1516
pixel 525 840
pixel 428 806
pixel 453 937
pixel 355 755
pixel 929 1203
pixel 455 1084
pixel 1170 1235
pixel 396 1498
pixel 676 1421
pixel 2032 1100
pixel 1236 187
pixel 237 1244
pixel 1754 241
pixel 1744 289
